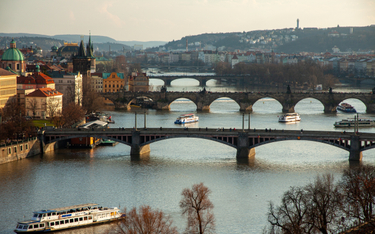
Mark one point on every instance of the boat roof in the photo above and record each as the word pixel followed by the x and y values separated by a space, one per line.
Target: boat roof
pixel 187 114
pixel 66 208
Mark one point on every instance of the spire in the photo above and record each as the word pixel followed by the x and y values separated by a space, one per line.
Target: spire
pixel 89 48
pixel 81 51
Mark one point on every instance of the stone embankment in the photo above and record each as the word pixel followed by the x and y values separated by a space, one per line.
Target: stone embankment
pixel 19 150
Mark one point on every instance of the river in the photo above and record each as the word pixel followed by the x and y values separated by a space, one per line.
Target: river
pixel 240 192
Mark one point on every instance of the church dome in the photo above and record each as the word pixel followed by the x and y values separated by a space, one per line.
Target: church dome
pixel 12 54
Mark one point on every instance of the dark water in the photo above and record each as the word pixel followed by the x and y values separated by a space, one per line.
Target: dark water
pixel 240 192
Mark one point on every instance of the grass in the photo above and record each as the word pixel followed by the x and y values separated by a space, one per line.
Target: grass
pixel 42 122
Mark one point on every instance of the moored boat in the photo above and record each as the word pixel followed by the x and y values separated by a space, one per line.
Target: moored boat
pixel 346 107
pixel 187 118
pixel 289 118
pixel 68 217
pixel 352 123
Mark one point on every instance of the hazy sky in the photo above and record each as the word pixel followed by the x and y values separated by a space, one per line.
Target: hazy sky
pixel 167 20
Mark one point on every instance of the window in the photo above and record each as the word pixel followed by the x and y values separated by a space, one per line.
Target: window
pixel 21 147
pixel 85 218
pixel 18 66
pixel 81 219
pixel 15 149
pixel 62 222
pixel 90 217
pixel 57 223
pixel 52 224
pixel 41 225
pixel 36 226
pixel 30 226
pixel 9 150
pixel 76 220
pixel 66 221
pixel 72 220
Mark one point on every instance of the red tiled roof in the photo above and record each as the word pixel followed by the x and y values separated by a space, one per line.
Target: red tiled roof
pixel 25 80
pixel 44 92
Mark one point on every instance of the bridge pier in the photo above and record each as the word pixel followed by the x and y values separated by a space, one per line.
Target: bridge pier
pixel 287 108
pixel 330 108
pixel 137 151
pixel 243 147
pixel 246 107
pixel 355 153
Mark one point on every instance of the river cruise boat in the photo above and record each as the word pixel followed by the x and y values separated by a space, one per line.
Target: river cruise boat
pixel 290 118
pixel 347 123
pixel 187 118
pixel 345 107
pixel 68 217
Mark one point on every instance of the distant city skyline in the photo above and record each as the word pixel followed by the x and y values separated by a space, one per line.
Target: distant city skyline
pixel 167 20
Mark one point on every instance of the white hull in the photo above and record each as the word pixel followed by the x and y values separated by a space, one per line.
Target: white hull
pixel 62 219
pixel 290 118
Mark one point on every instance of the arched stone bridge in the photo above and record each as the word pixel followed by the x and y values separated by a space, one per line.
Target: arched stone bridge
pixel 203 100
pixel 244 141
pixel 202 79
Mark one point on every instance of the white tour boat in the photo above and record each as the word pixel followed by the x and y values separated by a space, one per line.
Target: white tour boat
pixel 290 117
pixel 345 107
pixel 352 123
pixel 68 217
pixel 187 118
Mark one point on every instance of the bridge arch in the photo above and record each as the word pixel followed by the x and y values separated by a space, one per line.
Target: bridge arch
pixel 217 101
pixel 80 136
pixel 182 99
pixel 315 107
pixel 173 80
pixel 223 141
pixel 357 103
pixel 266 101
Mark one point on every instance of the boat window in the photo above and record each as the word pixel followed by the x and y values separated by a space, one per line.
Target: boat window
pixel 24 227
pixel 62 222
pixel 76 220
pixel 90 217
pixel 30 226
pixel 57 223
pixel 54 213
pixel 81 219
pixel 72 220
pixel 40 215
pixel 85 218
pixel 35 215
pixel 41 225
pixel 48 214
pixel 66 221
pixel 36 226
pixel 52 223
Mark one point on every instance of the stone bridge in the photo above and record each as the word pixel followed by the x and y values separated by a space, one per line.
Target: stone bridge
pixel 202 79
pixel 245 100
pixel 244 141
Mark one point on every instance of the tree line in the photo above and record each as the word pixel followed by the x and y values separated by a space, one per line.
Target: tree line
pixel 302 74
pixel 326 207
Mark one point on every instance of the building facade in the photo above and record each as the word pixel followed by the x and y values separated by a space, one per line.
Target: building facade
pixel 8 86
pixel 113 82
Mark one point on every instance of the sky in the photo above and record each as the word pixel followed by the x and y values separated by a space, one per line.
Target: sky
pixel 167 20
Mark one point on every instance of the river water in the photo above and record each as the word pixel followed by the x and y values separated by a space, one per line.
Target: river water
pixel 240 192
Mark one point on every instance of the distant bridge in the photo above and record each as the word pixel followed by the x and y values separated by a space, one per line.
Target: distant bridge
pixel 246 100
pixel 244 141
pixel 202 79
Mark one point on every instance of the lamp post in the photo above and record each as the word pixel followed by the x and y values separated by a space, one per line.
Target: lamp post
pixel 145 119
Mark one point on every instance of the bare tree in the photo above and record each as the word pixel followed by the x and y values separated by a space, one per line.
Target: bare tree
pixel 359 189
pixel 32 105
pixel 196 205
pixel 290 216
pixel 71 114
pixel 53 106
pixel 311 209
pixel 91 101
pixel 325 203
pixel 147 221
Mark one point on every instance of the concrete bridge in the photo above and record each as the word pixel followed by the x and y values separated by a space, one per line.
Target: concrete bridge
pixel 243 141
pixel 245 100
pixel 202 79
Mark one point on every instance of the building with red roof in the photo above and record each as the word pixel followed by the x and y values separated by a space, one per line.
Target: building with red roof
pixel 44 103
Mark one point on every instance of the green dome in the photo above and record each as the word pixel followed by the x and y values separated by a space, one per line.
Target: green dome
pixel 12 54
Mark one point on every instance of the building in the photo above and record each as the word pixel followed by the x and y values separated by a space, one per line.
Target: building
pixel 84 62
pixel 8 86
pixel 67 50
pixel 44 103
pixel 35 80
pixel 70 84
pixel 14 59
pixel 113 82
pixel 138 82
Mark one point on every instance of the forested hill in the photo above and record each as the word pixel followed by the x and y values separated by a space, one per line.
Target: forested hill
pixel 287 40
